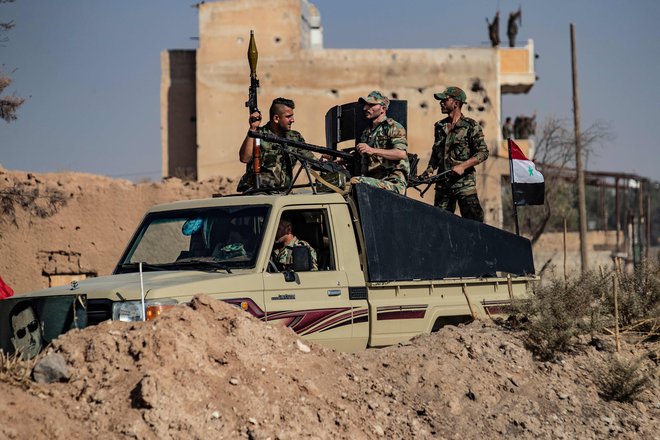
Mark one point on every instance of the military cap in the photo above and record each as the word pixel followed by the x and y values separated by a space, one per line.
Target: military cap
pixel 375 97
pixel 451 92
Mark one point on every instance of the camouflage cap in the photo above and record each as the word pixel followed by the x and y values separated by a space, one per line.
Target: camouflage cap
pixel 451 92
pixel 375 97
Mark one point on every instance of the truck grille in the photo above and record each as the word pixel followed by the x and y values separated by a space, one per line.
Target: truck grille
pixel 98 310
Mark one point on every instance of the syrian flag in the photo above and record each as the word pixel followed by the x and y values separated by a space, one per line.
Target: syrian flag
pixel 527 183
pixel 5 290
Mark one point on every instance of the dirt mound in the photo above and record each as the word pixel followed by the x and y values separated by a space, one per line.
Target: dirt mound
pixel 209 370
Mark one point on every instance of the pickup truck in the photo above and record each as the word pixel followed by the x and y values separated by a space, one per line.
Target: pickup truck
pixel 389 268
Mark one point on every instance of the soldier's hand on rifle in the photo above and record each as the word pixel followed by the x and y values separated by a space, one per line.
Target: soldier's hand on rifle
pixel 255 120
pixel 364 149
pixel 458 169
pixel 427 173
pixel 328 158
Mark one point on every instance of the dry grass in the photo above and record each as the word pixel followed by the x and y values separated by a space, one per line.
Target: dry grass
pixel 561 311
pixel 639 298
pixel 622 380
pixel 14 370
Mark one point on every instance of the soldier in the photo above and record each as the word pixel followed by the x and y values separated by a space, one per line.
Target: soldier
pixel 507 128
pixel 385 146
pixel 285 241
pixel 494 30
pixel 459 146
pixel 512 26
pixel 276 166
pixel 524 126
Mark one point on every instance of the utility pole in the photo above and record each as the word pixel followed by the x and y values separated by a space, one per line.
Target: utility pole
pixel 582 200
pixel 648 219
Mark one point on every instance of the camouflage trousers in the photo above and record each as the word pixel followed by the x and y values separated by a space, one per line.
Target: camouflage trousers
pixel 468 204
pixel 394 186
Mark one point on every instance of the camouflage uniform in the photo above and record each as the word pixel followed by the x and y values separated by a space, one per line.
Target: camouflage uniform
pixel 384 173
pixel 283 257
pixel 450 148
pixel 276 167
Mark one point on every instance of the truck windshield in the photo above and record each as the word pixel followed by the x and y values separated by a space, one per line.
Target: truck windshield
pixel 218 238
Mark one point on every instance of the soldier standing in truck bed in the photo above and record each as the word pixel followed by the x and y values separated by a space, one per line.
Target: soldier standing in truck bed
pixel 385 146
pixel 276 166
pixel 459 146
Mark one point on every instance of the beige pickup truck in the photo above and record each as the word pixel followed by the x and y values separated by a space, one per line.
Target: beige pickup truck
pixel 388 267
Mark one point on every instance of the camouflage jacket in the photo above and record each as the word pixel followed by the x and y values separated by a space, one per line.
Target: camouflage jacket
pixel 450 148
pixel 389 134
pixel 283 257
pixel 276 166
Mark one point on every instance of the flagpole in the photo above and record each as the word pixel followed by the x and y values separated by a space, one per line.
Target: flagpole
pixel 513 198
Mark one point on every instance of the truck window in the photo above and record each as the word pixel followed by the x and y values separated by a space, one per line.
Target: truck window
pixel 227 236
pixel 311 226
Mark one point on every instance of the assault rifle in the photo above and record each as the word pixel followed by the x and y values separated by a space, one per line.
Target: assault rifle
pixel 302 145
pixel 338 174
pixel 415 181
pixel 307 163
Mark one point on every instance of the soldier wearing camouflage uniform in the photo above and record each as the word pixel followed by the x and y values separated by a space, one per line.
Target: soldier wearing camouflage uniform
pixel 385 145
pixel 285 241
pixel 276 166
pixel 459 146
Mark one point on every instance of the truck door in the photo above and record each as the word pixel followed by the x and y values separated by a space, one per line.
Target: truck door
pixel 315 304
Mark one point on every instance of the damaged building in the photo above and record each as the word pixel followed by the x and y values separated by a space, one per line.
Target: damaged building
pixel 203 91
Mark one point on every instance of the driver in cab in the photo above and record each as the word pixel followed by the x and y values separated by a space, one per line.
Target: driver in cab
pixel 285 241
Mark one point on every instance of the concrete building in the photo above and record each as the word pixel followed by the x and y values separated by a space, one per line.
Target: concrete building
pixel 203 92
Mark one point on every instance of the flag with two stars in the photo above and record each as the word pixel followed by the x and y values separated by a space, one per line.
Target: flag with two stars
pixel 527 183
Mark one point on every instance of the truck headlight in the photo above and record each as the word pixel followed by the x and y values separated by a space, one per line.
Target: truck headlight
pixel 132 310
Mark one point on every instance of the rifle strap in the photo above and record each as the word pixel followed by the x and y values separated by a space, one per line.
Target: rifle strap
pixel 336 189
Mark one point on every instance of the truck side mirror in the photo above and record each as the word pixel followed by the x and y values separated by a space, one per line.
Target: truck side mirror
pixel 302 259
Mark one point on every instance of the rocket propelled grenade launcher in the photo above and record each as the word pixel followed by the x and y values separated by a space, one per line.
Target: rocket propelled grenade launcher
pixel 253 57
pixel 251 104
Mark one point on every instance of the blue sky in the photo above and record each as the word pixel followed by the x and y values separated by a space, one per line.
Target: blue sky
pixel 91 71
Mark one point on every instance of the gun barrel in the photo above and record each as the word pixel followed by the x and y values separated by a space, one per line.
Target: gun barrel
pixel 416 181
pixel 301 145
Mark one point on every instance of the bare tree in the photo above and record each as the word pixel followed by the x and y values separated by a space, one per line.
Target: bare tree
pixel 9 104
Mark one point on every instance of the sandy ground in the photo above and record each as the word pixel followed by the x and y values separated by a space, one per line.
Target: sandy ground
pixel 209 370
